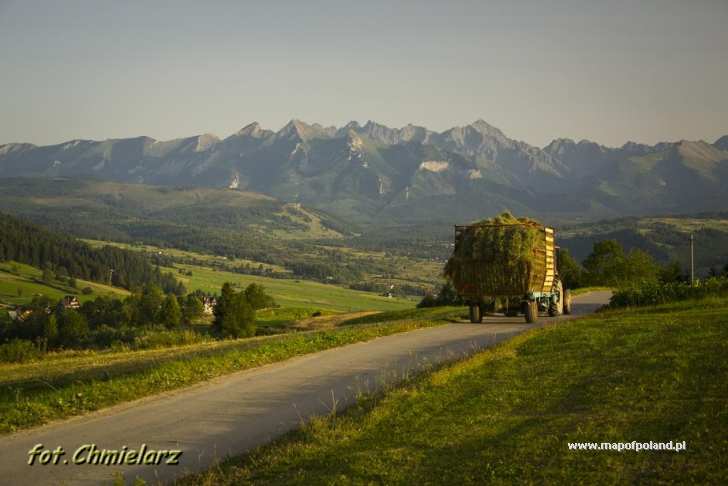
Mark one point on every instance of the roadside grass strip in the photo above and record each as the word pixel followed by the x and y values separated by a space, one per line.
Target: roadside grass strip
pixel 37 393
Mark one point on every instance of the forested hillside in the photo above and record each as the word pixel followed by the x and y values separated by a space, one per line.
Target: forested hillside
pixel 65 256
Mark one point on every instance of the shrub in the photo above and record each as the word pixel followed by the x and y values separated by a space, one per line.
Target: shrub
pixel 446 297
pixel 257 297
pixel 18 351
pixel 166 338
pixel 662 293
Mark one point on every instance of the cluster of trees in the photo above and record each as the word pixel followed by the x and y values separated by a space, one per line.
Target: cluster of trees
pixel 235 311
pixel 52 326
pixel 69 257
pixel 446 296
pixel 610 265
pixel 100 322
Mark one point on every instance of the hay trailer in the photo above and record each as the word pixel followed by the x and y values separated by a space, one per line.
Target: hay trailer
pixel 542 289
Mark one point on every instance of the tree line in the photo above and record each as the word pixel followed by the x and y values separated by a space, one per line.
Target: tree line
pixel 106 320
pixel 65 256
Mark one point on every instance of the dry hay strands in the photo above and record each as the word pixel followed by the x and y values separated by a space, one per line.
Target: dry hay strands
pixel 499 256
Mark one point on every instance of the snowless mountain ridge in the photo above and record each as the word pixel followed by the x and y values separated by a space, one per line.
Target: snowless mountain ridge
pixel 372 171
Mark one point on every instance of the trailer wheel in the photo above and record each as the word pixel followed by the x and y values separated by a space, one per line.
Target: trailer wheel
pixel 475 316
pixel 567 302
pixel 532 312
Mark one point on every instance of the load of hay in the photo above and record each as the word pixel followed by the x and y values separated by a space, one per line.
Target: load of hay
pixel 500 256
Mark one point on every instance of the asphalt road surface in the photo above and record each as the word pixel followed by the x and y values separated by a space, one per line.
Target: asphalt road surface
pixel 234 413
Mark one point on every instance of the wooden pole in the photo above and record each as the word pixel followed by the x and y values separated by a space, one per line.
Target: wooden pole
pixel 692 260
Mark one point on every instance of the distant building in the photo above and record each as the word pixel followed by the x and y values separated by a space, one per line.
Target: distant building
pixel 20 313
pixel 71 302
pixel 208 305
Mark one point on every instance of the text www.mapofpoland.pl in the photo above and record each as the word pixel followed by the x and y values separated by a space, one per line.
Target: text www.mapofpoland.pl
pixel 628 446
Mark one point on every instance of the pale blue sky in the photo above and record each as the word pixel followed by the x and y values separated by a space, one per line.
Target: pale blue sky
pixel 610 71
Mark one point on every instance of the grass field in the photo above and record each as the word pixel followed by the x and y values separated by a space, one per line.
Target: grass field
pixel 184 254
pixel 506 416
pixel 293 293
pixel 72 383
pixel 300 297
pixel 14 276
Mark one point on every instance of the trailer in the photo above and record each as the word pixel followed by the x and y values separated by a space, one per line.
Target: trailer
pixel 539 289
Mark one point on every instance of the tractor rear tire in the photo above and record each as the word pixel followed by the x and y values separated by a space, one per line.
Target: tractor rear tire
pixel 475 316
pixel 532 312
pixel 567 302
pixel 553 309
pixel 556 308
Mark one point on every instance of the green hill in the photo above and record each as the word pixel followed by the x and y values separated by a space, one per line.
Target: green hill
pixel 19 283
pixel 667 238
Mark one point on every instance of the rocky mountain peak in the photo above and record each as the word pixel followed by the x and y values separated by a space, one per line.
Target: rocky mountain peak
pixel 205 141
pixel 252 130
pixel 485 128
pixel 722 143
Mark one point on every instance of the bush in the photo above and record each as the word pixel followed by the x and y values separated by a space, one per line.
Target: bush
pixel 166 338
pixel 427 301
pixel 87 291
pixel 18 351
pixel 257 297
pixel 447 296
pixel 664 293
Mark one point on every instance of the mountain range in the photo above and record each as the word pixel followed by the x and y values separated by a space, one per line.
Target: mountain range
pixel 372 173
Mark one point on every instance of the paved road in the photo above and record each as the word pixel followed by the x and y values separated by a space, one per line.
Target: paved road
pixel 237 412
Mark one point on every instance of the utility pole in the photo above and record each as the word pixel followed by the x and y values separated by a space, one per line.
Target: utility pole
pixel 692 260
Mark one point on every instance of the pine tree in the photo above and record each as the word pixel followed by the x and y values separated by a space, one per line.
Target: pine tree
pixel 192 309
pixel 170 313
pixel 239 318
pixel 226 296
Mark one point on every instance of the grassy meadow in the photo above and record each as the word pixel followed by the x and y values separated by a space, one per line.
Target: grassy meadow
pixel 292 293
pixel 297 298
pixel 506 415
pixel 19 283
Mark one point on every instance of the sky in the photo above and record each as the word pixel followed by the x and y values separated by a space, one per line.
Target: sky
pixel 606 70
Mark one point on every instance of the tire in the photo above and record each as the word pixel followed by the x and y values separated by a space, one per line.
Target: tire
pixel 475 316
pixel 567 302
pixel 532 312
pixel 553 309
pixel 557 308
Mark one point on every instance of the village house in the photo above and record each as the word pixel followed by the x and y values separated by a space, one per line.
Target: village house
pixel 71 302
pixel 208 305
